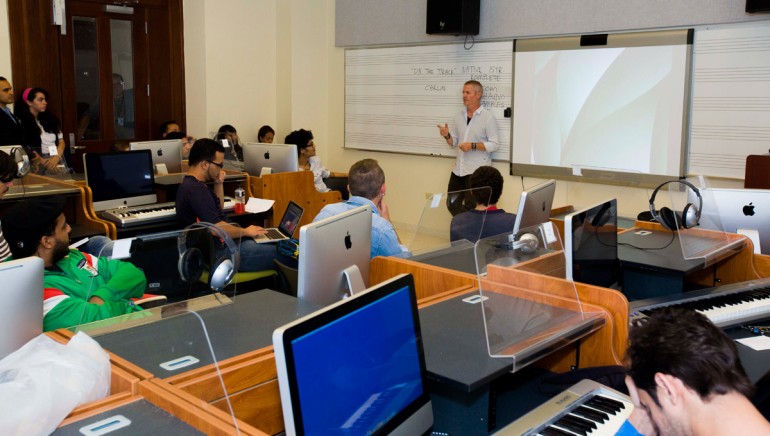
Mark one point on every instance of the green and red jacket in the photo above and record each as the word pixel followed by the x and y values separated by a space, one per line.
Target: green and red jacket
pixel 79 276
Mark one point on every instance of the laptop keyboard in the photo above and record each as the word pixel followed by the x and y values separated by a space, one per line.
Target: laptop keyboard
pixel 274 234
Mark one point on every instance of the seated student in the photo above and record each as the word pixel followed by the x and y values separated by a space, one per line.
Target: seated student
pixel 79 288
pixel 486 220
pixel 228 132
pixel 366 183
pixel 684 377
pixel 168 127
pixel 187 142
pixel 196 201
pixel 265 134
pixel 308 160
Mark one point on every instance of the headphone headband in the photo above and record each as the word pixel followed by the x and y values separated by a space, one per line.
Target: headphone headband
pixel 692 187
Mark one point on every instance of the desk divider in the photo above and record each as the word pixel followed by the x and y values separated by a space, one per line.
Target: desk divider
pixel 155 393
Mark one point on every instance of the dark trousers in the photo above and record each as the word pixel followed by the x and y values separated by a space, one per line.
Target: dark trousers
pixel 459 203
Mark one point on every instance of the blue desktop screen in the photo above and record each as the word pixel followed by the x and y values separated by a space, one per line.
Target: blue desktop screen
pixel 356 373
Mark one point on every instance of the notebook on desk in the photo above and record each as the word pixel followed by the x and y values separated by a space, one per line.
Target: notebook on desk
pixel 287 226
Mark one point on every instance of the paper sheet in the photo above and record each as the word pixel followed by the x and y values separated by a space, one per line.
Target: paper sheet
pixel 121 248
pixel 758 343
pixel 258 205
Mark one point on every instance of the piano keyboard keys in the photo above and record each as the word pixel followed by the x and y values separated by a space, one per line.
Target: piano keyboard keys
pixel 587 408
pixel 725 306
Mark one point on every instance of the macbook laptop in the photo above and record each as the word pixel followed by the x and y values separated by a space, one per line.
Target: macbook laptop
pixel 288 225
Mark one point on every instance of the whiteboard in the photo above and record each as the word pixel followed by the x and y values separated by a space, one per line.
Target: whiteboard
pixel 730 99
pixel 395 96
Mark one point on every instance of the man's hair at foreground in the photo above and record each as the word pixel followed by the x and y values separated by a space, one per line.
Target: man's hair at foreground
pixel 365 178
pixel 685 344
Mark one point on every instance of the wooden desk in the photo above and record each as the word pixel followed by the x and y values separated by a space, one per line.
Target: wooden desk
pixel 78 211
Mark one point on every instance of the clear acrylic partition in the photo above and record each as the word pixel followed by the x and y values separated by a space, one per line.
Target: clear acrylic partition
pixel 696 243
pixel 181 343
pixel 232 161
pixel 522 325
pixel 185 269
pixel 438 230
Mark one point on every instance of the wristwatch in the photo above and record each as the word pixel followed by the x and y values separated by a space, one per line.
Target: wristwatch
pixel 447 136
pixel 473 145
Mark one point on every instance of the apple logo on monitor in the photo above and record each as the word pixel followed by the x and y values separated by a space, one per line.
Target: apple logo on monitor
pixel 748 210
pixel 160 152
pixel 267 155
pixel 348 242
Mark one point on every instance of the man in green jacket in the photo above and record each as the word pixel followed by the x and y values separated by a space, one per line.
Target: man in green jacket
pixel 78 288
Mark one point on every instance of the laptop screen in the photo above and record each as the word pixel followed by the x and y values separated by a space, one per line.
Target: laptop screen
pixel 290 219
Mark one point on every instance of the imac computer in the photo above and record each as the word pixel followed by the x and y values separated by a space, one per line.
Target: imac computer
pixel 166 152
pixel 120 179
pixel 21 314
pixel 535 206
pixel 334 256
pixel 356 367
pixel 738 211
pixel 279 158
pixel 591 245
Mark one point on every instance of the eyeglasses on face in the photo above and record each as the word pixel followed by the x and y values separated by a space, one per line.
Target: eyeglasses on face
pixel 220 165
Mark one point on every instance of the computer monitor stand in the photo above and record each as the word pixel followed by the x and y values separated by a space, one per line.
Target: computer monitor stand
pixel 752 234
pixel 265 170
pixel 354 280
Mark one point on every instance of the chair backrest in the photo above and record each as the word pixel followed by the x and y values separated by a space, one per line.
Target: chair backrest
pixel 297 187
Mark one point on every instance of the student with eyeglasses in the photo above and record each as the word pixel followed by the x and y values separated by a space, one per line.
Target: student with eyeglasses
pixel 196 201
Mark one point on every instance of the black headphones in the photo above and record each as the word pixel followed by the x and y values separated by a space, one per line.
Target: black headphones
pixel 223 264
pixel 672 220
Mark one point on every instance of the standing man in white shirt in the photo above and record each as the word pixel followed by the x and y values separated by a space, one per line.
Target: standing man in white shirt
pixel 474 132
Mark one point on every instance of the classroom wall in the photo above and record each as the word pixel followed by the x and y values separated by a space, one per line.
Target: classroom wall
pixel 251 62
pixel 372 22
pixel 309 91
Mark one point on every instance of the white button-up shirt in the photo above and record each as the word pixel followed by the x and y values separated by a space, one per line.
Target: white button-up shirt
pixel 482 128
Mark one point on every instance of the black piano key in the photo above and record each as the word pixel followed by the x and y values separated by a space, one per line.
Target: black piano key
pixel 589 425
pixel 553 431
pixel 579 429
pixel 618 405
pixel 594 415
pixel 604 407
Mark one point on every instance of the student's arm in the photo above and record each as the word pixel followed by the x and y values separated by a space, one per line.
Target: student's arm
pixel 62 311
pixel 122 280
pixel 236 232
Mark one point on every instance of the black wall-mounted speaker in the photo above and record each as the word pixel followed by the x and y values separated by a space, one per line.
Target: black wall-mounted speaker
pixel 453 17
pixel 757 6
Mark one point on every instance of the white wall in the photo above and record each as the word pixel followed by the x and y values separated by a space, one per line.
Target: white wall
pixel 254 62
pixel 230 65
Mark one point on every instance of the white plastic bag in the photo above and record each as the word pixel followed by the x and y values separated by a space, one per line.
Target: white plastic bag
pixel 43 381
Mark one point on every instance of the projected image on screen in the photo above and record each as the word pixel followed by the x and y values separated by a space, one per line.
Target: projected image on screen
pixel 606 108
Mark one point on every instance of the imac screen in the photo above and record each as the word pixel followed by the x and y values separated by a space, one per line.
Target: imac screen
pixel 358 367
pixel 120 177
